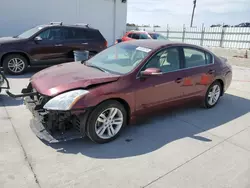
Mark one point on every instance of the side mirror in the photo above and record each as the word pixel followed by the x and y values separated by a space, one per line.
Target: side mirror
pixel 38 38
pixel 151 72
pixel 118 41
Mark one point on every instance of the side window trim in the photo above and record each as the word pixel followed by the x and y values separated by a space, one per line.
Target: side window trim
pixel 155 53
pixel 199 50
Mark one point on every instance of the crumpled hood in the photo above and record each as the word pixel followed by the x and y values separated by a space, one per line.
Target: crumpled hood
pixel 7 40
pixel 60 78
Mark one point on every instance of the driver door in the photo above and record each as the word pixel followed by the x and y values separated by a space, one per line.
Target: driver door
pixel 157 90
pixel 50 49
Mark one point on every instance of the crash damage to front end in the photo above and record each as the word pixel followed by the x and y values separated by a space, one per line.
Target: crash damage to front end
pixel 57 96
pixel 54 122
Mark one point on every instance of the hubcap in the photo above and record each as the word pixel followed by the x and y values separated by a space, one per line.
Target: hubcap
pixel 16 65
pixel 213 95
pixel 109 123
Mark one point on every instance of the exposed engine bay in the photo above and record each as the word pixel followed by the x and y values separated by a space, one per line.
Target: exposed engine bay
pixel 52 126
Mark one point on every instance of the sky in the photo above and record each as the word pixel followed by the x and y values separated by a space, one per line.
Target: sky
pixel 178 12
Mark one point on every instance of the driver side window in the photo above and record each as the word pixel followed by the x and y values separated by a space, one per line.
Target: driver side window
pixel 52 34
pixel 166 60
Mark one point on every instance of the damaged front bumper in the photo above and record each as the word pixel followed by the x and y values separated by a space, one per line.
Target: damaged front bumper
pixel 52 126
pixel 4 80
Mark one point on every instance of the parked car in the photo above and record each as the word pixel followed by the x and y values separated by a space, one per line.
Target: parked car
pixel 4 83
pixel 101 96
pixel 49 44
pixel 157 36
pixel 134 35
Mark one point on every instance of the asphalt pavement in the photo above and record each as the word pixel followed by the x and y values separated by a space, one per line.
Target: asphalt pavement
pixel 187 148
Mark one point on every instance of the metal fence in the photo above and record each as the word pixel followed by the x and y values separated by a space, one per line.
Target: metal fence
pixel 226 37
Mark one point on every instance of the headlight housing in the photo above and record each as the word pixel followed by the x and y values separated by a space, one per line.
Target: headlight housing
pixel 65 101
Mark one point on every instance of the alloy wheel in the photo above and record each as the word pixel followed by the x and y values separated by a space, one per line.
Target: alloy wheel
pixel 214 94
pixel 16 65
pixel 109 123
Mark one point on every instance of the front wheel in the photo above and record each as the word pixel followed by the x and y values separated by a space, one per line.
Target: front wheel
pixel 106 122
pixel 15 64
pixel 213 95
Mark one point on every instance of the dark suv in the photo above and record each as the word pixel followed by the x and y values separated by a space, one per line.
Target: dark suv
pixel 47 45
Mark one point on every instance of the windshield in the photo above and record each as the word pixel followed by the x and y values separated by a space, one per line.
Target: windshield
pixel 158 36
pixel 144 36
pixel 29 33
pixel 120 58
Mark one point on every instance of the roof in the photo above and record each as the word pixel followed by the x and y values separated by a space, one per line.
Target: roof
pixel 155 44
pixel 136 31
pixel 66 25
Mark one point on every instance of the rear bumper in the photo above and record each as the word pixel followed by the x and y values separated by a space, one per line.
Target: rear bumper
pixel 228 80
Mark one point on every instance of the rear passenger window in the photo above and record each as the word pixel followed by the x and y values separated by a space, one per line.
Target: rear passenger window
pixel 93 34
pixel 209 58
pixel 79 33
pixel 194 58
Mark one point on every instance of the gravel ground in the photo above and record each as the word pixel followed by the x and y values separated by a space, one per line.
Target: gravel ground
pixel 230 55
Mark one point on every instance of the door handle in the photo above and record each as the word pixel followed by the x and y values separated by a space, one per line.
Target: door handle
pixel 58 44
pixel 85 43
pixel 211 71
pixel 178 80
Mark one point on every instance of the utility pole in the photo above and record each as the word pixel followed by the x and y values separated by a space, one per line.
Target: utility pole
pixel 114 22
pixel 191 25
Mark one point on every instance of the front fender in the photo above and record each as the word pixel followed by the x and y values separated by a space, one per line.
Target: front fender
pixel 93 99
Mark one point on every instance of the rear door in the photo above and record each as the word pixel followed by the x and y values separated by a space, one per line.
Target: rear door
pixel 86 39
pixel 199 71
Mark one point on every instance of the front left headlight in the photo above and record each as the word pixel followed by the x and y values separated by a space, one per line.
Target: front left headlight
pixel 65 101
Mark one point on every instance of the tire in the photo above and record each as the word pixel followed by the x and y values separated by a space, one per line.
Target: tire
pixel 207 102
pixel 12 59
pixel 93 125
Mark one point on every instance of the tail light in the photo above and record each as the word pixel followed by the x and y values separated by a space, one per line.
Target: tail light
pixel 106 43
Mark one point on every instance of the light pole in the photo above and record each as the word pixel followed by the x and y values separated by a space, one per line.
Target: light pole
pixel 191 25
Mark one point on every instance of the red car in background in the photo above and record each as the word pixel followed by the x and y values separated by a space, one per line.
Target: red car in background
pixel 134 35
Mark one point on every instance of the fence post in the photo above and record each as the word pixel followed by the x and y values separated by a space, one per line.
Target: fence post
pixel 202 34
pixel 222 36
pixel 167 31
pixel 183 33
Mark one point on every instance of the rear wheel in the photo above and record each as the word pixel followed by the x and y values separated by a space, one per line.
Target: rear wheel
pixel 213 95
pixel 106 122
pixel 15 64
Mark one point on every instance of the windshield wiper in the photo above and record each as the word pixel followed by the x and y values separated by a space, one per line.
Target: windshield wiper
pixel 99 68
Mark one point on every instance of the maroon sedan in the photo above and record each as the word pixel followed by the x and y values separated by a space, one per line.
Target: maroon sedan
pixel 99 97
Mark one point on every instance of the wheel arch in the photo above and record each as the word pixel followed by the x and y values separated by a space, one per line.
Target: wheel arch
pixel 222 85
pixel 15 52
pixel 123 102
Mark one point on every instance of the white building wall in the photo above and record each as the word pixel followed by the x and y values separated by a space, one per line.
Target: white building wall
pixel 17 16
